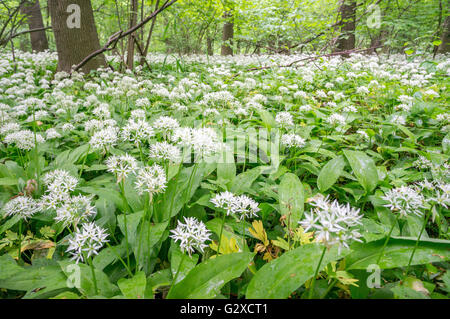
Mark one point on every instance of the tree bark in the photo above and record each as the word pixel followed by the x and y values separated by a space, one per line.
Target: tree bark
pixel 444 47
pixel 209 45
pixel 133 21
pixel 74 43
pixel 38 39
pixel 149 37
pixel 347 12
pixel 227 34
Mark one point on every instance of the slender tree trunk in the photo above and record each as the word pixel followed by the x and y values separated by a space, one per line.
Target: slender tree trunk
pixel 209 45
pixel 32 10
pixel 149 37
pixel 75 34
pixel 347 12
pixel 133 21
pixel 444 47
pixel 227 35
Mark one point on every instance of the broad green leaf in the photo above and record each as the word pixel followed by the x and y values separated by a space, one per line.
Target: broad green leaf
pixel 242 182
pixel 267 119
pixel 133 288
pixel 177 193
pixel 207 278
pixel 226 171
pixel 67 295
pixel 148 236
pixel 183 269
pixel 110 255
pixel 156 280
pixel 106 214
pixel 8 181
pixel 330 173
pixel 446 144
pixel 9 223
pixel 292 198
pixel 364 169
pixel 108 193
pixel 84 282
pixel 282 276
pixel 38 281
pixel 215 226
pixel 397 253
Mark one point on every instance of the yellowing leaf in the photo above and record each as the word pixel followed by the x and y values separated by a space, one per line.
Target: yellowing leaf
pixel 227 246
pixel 345 278
pixel 258 232
pixel 302 237
pixel 280 242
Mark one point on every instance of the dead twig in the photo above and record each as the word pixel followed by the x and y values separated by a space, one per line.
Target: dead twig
pixel 312 58
pixel 121 34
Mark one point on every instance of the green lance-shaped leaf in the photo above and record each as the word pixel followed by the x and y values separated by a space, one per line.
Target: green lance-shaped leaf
pixel 397 253
pixel 280 277
pixel 207 278
pixel 292 198
pixel 364 169
pixel 133 288
pixel 330 173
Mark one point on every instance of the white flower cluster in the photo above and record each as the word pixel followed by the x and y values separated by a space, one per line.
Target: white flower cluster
pixel 192 235
pixel 60 178
pixel 151 179
pixel 23 206
pixel 204 141
pixel 165 151
pixel 104 139
pixel 87 242
pixel 242 206
pixel 334 223
pixel 165 124
pixel 23 139
pixel 137 131
pixel 436 192
pixel 404 200
pixel 121 166
pixel 284 119
pixel 398 119
pixel 75 210
pixel 423 163
pixel 9 128
pixel 292 140
pixel 69 210
pixel 336 119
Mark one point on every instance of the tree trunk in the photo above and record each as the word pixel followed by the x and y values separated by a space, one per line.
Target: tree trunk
pixel 227 35
pixel 347 13
pixel 75 34
pixel 133 21
pixel 209 45
pixel 32 10
pixel 444 47
pixel 149 37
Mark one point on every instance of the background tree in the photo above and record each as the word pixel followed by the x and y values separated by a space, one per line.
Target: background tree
pixel 131 38
pixel 74 44
pixel 32 11
pixel 444 47
pixel 347 26
pixel 228 30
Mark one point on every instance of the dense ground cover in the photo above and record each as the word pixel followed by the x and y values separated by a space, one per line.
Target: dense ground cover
pixel 120 185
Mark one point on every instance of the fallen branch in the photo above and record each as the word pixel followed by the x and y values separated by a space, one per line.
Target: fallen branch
pixel 120 34
pixel 311 58
pixel 311 39
pixel 143 58
pixel 5 41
